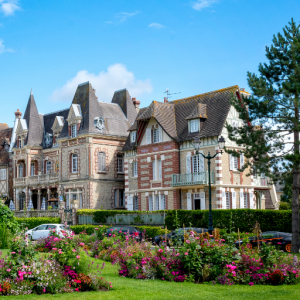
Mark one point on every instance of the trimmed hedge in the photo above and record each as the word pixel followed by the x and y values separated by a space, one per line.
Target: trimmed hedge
pixel 151 231
pixel 244 219
pixel 33 222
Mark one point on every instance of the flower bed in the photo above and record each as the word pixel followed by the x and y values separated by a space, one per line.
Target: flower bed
pixel 62 267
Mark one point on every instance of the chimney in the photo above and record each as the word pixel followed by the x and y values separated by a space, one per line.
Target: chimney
pixel 18 114
pixel 136 104
pixel 242 89
pixel 165 100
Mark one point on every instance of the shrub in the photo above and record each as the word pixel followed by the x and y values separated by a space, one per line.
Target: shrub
pixel 284 206
pixel 152 231
pixel 4 233
pixel 8 218
pixel 242 218
pixel 89 229
pixel 33 222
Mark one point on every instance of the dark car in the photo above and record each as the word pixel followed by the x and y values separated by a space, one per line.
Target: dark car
pixel 281 239
pixel 124 230
pixel 176 235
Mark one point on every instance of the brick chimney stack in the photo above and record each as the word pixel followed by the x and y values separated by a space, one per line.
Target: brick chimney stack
pixel 136 104
pixel 165 100
pixel 18 114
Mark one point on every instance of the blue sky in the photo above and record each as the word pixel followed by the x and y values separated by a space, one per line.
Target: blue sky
pixel 190 47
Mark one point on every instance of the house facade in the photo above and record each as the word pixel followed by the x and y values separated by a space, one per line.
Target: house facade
pixel 163 171
pixel 74 153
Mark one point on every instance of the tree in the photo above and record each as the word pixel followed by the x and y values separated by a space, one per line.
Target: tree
pixel 270 132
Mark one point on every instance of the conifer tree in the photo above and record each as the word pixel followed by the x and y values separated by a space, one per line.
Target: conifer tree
pixel 270 132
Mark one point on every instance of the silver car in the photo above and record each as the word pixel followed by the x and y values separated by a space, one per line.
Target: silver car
pixel 43 231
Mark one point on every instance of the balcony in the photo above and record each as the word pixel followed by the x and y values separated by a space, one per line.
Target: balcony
pixel 260 182
pixel 47 178
pixel 189 179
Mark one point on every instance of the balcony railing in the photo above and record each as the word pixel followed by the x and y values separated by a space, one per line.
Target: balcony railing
pixel 36 179
pixel 263 182
pixel 200 178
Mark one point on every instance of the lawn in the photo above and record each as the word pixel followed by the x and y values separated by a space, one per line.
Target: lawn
pixel 133 289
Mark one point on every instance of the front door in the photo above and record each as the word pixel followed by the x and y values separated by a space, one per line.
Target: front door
pixel 197 204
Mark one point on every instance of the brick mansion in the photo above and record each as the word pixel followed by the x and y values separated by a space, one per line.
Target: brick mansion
pixel 119 156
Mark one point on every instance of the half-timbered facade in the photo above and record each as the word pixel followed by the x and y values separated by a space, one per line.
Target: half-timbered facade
pixel 163 171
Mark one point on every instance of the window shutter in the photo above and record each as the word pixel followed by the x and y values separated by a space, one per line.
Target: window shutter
pixel 223 199
pixel 160 134
pixel 234 200
pixel 241 160
pixel 202 200
pixel 148 136
pixel 201 163
pixel 154 169
pixel 159 170
pixel 241 199
pixel 188 162
pixel 189 201
pixel 130 203
pixel 251 198
pixel 231 162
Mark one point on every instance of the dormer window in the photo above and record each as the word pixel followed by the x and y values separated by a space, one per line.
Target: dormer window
pixel 73 130
pixel 157 136
pixel 48 139
pixel 194 125
pixel 99 123
pixel 133 136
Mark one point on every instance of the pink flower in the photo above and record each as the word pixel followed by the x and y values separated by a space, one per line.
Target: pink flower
pixel 96 228
pixel 77 290
pixel 186 253
pixel 74 250
pixel 77 256
pixel 110 234
pixel 8 270
pixel 160 250
pixel 197 238
pixel 13 252
pixel 114 235
pixel 81 244
pixel 111 286
pixel 188 241
pixel 177 254
pixel 251 283
pixel 44 290
pixel 54 249
pixel 111 230
pixel 247 233
pixel 279 243
pixel 137 268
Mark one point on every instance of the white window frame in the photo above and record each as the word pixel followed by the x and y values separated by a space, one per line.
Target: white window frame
pixel 102 162
pixel 21 171
pixel 194 125
pixel 74 163
pixel 20 142
pixel 157 135
pixel 32 168
pixel 135 168
pixel 3 174
pixel 133 136
pixel 235 162
pixel 156 202
pixel 150 202
pixel 73 131
pixel 120 163
pixel 48 167
pixel 227 194
pixel 246 200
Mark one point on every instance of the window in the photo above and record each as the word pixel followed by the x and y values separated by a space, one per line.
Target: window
pixel 73 130
pixel 133 136
pixel 246 200
pixel 80 201
pixel 32 169
pixel 235 162
pixel 119 198
pixel 3 174
pixel 135 169
pixel 135 203
pixel 74 194
pixel 21 170
pixel 156 169
pixel 156 202
pixel 150 200
pixel 48 167
pixel 194 126
pixel 101 162
pixel 235 124
pixel 198 163
pixel 20 142
pixel 99 123
pixel 228 202
pixel 157 135
pixel 120 163
pixel 74 163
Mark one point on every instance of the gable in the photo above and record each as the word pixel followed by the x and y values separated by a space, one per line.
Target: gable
pixel 22 126
pixel 58 124
pixel 74 113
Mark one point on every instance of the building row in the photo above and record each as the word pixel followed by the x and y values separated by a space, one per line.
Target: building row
pixel 118 156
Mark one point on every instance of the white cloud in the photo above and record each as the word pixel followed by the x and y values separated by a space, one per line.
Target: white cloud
pixel 123 16
pixel 106 83
pixel 8 7
pixel 156 26
pixel 3 49
pixel 200 4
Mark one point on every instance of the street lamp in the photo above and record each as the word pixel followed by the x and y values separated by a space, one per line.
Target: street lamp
pixel 197 143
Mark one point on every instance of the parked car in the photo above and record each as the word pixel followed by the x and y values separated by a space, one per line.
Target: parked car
pixel 43 231
pixel 281 239
pixel 125 229
pixel 176 235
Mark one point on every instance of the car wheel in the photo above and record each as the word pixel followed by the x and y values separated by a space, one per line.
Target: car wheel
pixel 288 247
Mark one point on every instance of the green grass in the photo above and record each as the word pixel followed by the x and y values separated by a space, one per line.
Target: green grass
pixel 134 289
pixel 4 252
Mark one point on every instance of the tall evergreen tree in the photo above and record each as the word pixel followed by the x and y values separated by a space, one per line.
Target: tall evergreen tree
pixel 271 116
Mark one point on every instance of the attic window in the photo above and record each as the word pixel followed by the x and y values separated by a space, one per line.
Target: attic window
pixel 99 123
pixel 133 136
pixel 194 125
pixel 48 139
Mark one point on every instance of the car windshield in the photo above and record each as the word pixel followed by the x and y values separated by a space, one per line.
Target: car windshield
pixel 51 227
pixel 41 227
pixel 63 227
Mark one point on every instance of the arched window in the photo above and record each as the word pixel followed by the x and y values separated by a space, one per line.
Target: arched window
pixel 101 162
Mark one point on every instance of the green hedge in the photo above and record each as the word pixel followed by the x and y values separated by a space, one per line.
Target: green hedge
pixel 151 231
pixel 244 219
pixel 33 222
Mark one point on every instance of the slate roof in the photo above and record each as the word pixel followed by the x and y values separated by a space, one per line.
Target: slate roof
pixel 3 126
pixel 123 98
pixel 173 116
pixel 34 123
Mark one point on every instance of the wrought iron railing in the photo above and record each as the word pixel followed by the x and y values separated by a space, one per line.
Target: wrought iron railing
pixel 199 178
